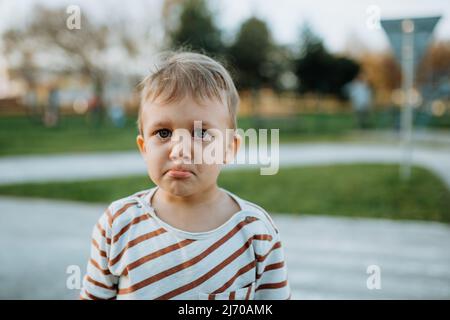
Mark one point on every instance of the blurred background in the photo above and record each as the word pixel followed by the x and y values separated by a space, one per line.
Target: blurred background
pixel 324 74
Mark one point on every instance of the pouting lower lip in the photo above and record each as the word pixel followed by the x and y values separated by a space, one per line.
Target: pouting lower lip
pixel 179 173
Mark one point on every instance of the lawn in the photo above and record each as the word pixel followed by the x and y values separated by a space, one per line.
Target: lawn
pixel 341 190
pixel 22 135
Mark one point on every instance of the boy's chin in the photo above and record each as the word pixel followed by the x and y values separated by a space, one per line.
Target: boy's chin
pixel 178 188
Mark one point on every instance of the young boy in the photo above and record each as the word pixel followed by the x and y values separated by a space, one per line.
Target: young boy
pixel 186 238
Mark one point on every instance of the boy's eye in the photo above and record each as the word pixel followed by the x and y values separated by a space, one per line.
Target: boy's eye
pixel 202 134
pixel 164 133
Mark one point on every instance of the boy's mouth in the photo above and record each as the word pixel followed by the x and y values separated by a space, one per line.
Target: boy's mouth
pixel 179 173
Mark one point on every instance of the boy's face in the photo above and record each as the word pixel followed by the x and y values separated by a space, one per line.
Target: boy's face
pixel 168 142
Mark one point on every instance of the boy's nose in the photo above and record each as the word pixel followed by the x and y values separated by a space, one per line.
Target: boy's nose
pixel 181 151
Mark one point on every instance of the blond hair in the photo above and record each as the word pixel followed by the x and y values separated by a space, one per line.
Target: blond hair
pixel 177 74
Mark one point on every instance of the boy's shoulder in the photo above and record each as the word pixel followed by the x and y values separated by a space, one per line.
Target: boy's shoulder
pixel 133 198
pixel 252 209
pixel 126 208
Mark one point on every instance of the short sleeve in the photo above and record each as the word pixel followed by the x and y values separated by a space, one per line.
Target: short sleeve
pixel 99 283
pixel 272 276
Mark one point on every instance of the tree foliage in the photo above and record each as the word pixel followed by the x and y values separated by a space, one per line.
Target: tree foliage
pixel 196 29
pixel 251 54
pixel 318 70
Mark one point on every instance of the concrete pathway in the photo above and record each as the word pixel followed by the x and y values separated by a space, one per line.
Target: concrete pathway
pixel 327 257
pixel 72 167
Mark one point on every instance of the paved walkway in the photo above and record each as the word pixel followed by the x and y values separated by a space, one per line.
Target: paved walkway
pixel 327 257
pixel 100 165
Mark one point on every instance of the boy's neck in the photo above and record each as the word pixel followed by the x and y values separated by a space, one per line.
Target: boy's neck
pixel 203 211
pixel 204 197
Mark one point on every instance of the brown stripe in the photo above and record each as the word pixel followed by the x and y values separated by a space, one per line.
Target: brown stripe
pixel 95 264
pixel 260 258
pixel 103 233
pixel 140 194
pixel 134 242
pixel 158 253
pixel 269 267
pixel 102 253
pixel 209 274
pixel 274 266
pixel 125 229
pixel 99 284
pixel 263 237
pixel 190 262
pixel 122 210
pixel 232 295
pixel 247 296
pixel 110 219
pixel 243 270
pixel 91 296
pixel 276 285
pixel 211 297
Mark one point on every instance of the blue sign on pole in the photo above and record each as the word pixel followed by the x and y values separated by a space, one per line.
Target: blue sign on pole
pixel 422 31
pixel 409 38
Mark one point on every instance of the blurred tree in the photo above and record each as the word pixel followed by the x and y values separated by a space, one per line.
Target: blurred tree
pixel 195 28
pixel 383 73
pixel 251 54
pixel 435 67
pixel 319 71
pixel 56 48
pixel 170 13
pixel 343 70
pixel 312 64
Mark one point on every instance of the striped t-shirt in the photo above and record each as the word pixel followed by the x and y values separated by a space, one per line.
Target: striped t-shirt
pixel 136 255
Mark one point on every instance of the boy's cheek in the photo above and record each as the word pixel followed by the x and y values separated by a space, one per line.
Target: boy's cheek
pixel 152 152
pixel 153 164
pixel 208 171
pixel 154 175
pixel 211 154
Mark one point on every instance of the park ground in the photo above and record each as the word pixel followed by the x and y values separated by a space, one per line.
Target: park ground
pixel 338 202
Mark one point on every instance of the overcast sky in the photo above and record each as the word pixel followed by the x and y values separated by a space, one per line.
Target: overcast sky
pixel 340 23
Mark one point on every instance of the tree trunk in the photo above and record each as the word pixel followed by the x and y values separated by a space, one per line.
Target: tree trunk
pixel 255 107
pixel 97 113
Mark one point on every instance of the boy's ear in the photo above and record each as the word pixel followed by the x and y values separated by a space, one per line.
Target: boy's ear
pixel 237 139
pixel 141 144
pixel 233 148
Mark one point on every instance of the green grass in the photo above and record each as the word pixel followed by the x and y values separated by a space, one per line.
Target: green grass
pixel 22 135
pixel 347 190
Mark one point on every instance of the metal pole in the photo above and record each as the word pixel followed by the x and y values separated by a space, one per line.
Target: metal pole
pixel 407 86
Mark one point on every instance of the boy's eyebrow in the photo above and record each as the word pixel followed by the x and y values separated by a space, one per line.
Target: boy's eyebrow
pixel 157 124
pixel 161 124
